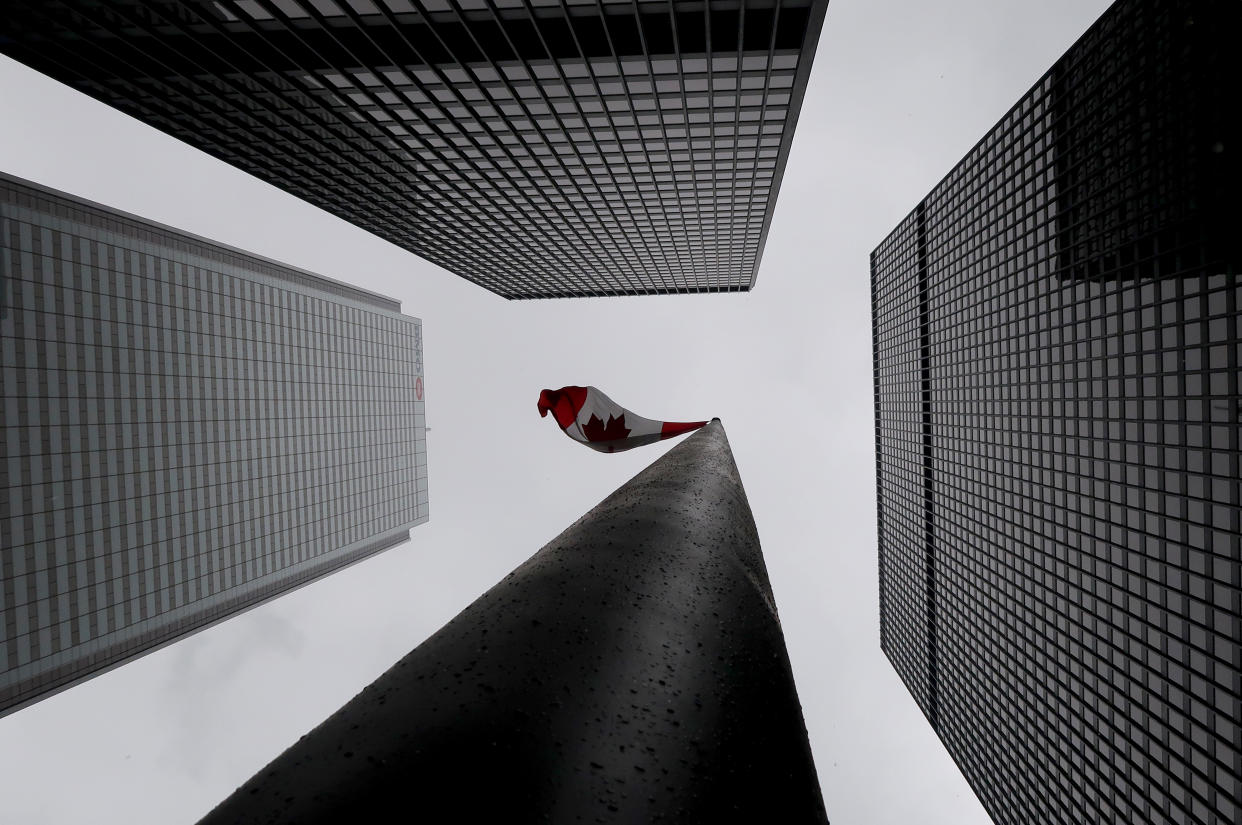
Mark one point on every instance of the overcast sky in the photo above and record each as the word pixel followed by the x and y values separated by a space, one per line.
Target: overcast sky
pixel 901 89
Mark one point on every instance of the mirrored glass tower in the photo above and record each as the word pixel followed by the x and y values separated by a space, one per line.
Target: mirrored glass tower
pixel 1057 344
pixel 189 430
pixel 539 148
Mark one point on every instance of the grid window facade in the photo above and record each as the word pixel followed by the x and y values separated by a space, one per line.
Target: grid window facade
pixel 539 148
pixel 1057 340
pixel 188 431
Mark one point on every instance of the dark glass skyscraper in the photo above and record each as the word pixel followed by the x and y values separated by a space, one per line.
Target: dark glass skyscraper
pixel 1057 341
pixel 189 431
pixel 540 148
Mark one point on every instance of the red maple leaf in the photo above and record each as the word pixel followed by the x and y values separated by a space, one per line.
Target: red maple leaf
pixel 595 430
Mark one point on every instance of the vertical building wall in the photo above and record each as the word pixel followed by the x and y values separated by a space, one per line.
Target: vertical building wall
pixel 905 633
pixel 1080 364
pixel 538 148
pixel 989 285
pixel 189 431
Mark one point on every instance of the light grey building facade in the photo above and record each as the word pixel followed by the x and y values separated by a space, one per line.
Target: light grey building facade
pixel 190 430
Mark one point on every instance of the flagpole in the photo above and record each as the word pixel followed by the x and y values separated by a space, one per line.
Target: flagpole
pixel 633 670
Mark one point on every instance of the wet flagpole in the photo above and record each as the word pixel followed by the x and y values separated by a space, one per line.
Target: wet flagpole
pixel 633 670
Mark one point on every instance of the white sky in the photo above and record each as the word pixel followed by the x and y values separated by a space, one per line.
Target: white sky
pixel 900 91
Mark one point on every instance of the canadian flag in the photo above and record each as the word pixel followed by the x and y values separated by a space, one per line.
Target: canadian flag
pixel 589 416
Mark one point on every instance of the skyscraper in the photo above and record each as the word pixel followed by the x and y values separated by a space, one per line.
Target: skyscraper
pixel 1057 340
pixel 539 148
pixel 189 430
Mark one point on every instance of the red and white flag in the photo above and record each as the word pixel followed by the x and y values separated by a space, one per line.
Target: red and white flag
pixel 589 416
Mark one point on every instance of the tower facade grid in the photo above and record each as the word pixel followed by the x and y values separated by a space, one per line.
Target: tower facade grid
pixel 541 148
pixel 190 430
pixel 1057 341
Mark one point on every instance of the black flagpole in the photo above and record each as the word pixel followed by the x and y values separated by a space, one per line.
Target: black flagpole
pixel 633 670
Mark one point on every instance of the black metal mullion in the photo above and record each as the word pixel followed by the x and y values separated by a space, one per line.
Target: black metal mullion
pixel 225 115
pixel 606 266
pixel 544 209
pixel 347 168
pixel 337 134
pixel 625 87
pixel 427 222
pixel 763 107
pixel 737 138
pixel 595 82
pixel 275 92
pixel 481 199
pixel 552 109
pixel 141 94
pixel 928 463
pixel 685 109
pixel 698 203
pixel 551 254
pixel 711 136
pixel 619 233
pixel 448 174
pixel 710 270
pixel 655 93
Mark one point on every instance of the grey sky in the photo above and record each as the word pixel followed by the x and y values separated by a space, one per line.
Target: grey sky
pixel 900 91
